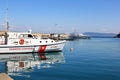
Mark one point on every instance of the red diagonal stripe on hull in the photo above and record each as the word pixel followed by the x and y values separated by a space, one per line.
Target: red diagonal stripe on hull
pixel 42 49
pixel 41 52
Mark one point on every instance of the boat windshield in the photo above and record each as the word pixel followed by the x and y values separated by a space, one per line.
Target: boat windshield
pixel 25 36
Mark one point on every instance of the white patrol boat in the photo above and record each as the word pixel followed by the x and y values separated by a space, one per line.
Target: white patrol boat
pixel 25 42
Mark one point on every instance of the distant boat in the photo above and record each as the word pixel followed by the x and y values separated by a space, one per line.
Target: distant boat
pixel 82 36
pixel 76 36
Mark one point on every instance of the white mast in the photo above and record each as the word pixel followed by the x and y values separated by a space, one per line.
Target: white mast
pixel 7 23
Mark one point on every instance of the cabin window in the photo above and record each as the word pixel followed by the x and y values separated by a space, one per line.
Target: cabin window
pixel 46 41
pixel 21 36
pixel 40 41
pixel 52 41
pixel 30 36
pixel 25 36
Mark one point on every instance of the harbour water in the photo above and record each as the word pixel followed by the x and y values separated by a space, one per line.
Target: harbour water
pixel 93 59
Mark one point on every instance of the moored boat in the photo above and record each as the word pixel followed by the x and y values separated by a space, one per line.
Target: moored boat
pixel 23 42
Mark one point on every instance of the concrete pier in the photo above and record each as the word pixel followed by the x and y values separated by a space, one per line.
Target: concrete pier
pixel 4 76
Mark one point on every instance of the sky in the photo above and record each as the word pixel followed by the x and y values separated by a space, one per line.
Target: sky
pixel 61 16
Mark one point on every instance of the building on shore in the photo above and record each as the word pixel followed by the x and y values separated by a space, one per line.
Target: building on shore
pixel 52 36
pixel 2 33
pixel 55 36
pixel 41 35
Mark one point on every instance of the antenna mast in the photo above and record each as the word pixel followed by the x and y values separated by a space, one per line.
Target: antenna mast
pixel 7 23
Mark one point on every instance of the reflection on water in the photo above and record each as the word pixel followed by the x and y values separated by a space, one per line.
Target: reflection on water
pixel 14 64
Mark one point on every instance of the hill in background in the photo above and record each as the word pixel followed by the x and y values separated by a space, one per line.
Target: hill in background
pixel 100 35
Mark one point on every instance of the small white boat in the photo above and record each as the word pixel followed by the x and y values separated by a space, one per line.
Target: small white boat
pixel 25 42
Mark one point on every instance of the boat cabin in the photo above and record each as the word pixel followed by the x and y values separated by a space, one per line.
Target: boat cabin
pixel 17 38
pixel 23 38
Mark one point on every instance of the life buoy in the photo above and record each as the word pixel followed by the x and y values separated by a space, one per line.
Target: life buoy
pixel 21 42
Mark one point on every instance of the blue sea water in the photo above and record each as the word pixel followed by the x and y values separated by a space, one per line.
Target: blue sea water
pixel 92 59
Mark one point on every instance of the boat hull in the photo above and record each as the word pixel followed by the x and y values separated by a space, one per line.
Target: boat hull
pixel 32 48
pixel 50 47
